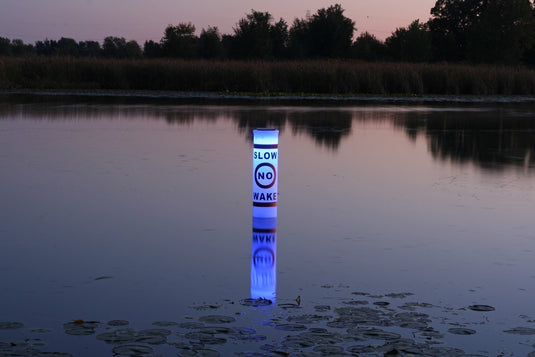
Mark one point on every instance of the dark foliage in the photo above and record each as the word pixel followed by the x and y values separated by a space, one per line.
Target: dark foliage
pixel 476 31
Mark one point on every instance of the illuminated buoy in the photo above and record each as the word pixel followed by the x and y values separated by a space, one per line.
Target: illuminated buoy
pixel 264 259
pixel 265 172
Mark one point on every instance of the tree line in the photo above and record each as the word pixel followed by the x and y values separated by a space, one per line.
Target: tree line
pixel 476 31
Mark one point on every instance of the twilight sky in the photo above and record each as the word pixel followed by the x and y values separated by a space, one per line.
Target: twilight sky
pixel 141 20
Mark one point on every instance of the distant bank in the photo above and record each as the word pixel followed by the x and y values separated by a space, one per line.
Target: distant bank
pixel 321 79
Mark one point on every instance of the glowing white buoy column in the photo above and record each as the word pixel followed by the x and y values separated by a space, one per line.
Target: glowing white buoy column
pixel 265 172
pixel 264 259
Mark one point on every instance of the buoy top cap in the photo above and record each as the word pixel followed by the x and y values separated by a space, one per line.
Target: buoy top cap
pixel 265 136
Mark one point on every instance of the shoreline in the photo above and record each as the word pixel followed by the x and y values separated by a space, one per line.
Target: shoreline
pixel 296 98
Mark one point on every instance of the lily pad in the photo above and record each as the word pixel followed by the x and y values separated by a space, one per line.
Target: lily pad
pixel 461 331
pixel 191 325
pixel 290 327
pixel 198 353
pixel 398 295
pixel 217 319
pixel 322 337
pixel 256 302
pixel 361 349
pixel 132 350
pixel 298 342
pixel 481 308
pixel 10 325
pixel 327 350
pixel 80 328
pixel 356 302
pixel 381 303
pixel 165 323
pixel 155 332
pixel 374 333
pixel 118 323
pixel 286 306
pixel 307 319
pixel 205 306
pixel 214 330
pixel 205 338
pixel 521 331
pixel 117 337
pixel 322 308
pixel 40 330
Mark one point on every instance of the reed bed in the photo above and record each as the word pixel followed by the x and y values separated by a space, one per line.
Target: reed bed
pixel 329 77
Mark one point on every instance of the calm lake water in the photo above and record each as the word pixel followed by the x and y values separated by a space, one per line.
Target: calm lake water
pixel 142 212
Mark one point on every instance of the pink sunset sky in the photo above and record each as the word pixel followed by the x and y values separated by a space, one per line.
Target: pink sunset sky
pixel 141 20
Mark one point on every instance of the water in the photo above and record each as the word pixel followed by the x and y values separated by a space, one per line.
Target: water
pixel 142 212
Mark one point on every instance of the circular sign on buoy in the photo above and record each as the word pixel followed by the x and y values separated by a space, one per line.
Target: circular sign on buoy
pixel 265 175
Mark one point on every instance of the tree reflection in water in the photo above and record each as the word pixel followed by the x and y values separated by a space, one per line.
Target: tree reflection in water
pixel 490 137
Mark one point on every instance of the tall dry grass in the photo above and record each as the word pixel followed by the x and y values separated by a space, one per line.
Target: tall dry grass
pixel 319 76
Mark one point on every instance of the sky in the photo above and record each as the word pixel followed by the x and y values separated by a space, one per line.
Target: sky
pixel 141 20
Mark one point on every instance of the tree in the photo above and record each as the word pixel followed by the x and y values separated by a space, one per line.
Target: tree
pixel 114 47
pixel 412 44
pixel 368 48
pixel 210 45
pixel 5 46
pixel 451 20
pixel 327 33
pixel 19 48
pixel 279 39
pixel 502 33
pixel 46 47
pixel 67 47
pixel 300 42
pixel 255 37
pixel 89 48
pixel 179 41
pixel 497 31
pixel 332 32
pixel 133 50
pixel 152 49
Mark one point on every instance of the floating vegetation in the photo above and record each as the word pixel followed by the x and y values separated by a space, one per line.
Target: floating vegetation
pixel 80 327
pixel 40 330
pixel 205 338
pixel 355 302
pixel 322 308
pixel 205 306
pixel 104 277
pixel 165 323
pixel 461 331
pixel 290 327
pixel 374 333
pixel 217 319
pixel 328 350
pixel 198 353
pixel 132 350
pixel 256 302
pixel 118 323
pixel 191 325
pixel 481 308
pixel 308 319
pixel 362 326
pixel 521 331
pixel 129 335
pixel 10 325
pixel 381 303
pixel 398 295
pixel 289 306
